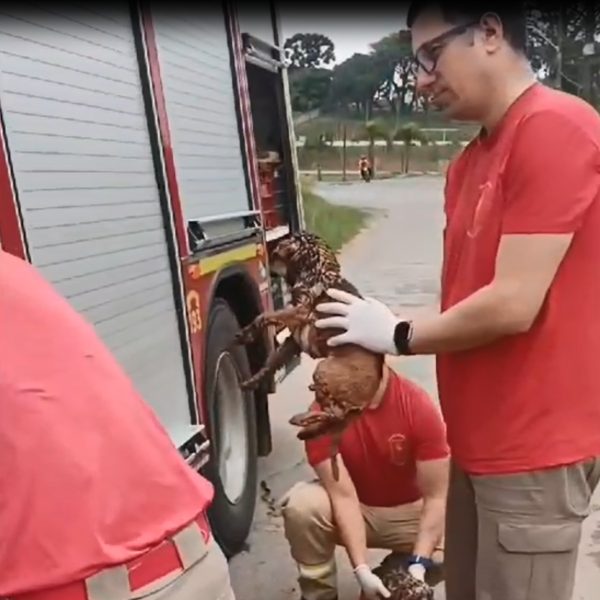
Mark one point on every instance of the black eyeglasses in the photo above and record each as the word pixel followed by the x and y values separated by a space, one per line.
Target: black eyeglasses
pixel 429 53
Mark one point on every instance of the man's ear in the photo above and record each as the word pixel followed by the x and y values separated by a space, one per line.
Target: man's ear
pixel 492 31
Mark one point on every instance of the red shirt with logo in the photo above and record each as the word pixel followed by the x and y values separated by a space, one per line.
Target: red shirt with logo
pixel 89 477
pixel 381 448
pixel 530 400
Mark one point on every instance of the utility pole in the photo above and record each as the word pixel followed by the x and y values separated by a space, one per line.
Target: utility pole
pixel 590 58
pixel 344 136
pixel 559 45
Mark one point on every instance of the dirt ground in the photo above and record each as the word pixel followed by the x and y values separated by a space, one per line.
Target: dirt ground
pixel 397 259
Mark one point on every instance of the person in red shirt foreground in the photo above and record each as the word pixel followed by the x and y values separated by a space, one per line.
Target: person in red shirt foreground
pixel 96 503
pixel 391 494
pixel 517 338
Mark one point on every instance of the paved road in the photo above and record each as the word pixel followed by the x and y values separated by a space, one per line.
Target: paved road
pixel 397 260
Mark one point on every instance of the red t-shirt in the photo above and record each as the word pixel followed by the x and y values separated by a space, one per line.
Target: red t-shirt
pixel 89 477
pixel 531 400
pixel 380 449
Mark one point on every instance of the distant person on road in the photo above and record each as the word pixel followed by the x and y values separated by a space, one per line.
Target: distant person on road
pixel 391 494
pixel 96 503
pixel 364 168
pixel 517 336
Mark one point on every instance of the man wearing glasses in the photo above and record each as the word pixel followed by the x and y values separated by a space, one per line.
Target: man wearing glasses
pixel 517 336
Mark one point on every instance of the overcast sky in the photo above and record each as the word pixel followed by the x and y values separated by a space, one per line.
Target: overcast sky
pixel 350 33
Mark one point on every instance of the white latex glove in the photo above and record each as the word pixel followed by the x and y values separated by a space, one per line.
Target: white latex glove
pixel 417 571
pixel 368 322
pixel 372 587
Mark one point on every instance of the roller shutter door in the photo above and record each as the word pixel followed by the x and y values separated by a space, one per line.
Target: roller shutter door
pixel 199 93
pixel 77 135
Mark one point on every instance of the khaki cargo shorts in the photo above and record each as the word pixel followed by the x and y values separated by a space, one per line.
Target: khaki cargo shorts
pixel 516 537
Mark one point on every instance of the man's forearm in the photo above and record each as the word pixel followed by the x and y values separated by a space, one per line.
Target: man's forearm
pixel 482 318
pixel 351 527
pixel 431 526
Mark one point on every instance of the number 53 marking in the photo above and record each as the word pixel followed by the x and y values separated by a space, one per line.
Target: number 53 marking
pixel 193 308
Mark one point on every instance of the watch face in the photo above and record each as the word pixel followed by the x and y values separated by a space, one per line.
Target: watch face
pixel 403 337
pixel 401 334
pixel 420 560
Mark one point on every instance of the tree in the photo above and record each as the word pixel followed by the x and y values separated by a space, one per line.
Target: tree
pixel 354 83
pixel 409 134
pixel 309 50
pixel 556 39
pixel 383 75
pixel 392 59
pixel 375 130
pixel 309 88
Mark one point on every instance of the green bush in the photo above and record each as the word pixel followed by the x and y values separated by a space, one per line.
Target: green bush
pixel 336 224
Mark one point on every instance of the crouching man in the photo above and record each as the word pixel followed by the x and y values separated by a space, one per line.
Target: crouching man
pixel 391 494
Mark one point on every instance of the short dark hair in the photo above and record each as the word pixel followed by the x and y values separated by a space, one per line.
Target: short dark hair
pixel 511 12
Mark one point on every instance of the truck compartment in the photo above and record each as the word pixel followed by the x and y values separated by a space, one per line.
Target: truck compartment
pixel 78 141
pixel 198 85
pixel 272 136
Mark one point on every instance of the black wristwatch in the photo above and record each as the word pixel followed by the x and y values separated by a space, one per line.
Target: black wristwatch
pixel 402 337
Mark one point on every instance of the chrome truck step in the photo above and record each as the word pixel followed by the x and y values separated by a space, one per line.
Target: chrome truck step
pixel 192 442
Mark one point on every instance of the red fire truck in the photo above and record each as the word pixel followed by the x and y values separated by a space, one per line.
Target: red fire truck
pixel 147 162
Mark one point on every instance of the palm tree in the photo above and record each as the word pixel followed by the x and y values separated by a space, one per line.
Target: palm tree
pixel 409 133
pixel 321 144
pixel 375 130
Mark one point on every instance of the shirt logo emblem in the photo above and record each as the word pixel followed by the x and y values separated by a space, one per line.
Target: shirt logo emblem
pixel 481 208
pixel 397 446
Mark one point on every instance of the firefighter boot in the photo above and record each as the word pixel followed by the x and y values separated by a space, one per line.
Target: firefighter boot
pixel 309 529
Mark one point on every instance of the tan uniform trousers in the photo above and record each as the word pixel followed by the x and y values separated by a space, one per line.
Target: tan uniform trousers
pixel 205 575
pixel 312 535
pixel 516 537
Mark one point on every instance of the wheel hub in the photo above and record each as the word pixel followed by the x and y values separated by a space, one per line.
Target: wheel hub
pixel 232 458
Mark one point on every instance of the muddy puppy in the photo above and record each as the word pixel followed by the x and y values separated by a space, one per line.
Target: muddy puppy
pixel 347 377
pixel 402 585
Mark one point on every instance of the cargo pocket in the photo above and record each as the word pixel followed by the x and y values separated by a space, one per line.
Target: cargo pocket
pixel 537 561
pixel 539 539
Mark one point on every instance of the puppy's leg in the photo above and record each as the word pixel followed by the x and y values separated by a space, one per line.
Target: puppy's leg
pixel 333 453
pixel 308 420
pixel 277 359
pixel 312 424
pixel 335 425
pixel 249 333
pixel 289 316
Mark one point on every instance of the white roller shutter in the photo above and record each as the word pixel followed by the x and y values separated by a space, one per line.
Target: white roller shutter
pixel 199 93
pixel 77 134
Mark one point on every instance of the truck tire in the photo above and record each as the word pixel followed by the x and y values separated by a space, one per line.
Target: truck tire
pixel 231 414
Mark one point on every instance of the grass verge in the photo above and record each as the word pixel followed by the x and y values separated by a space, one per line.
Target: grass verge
pixel 336 224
